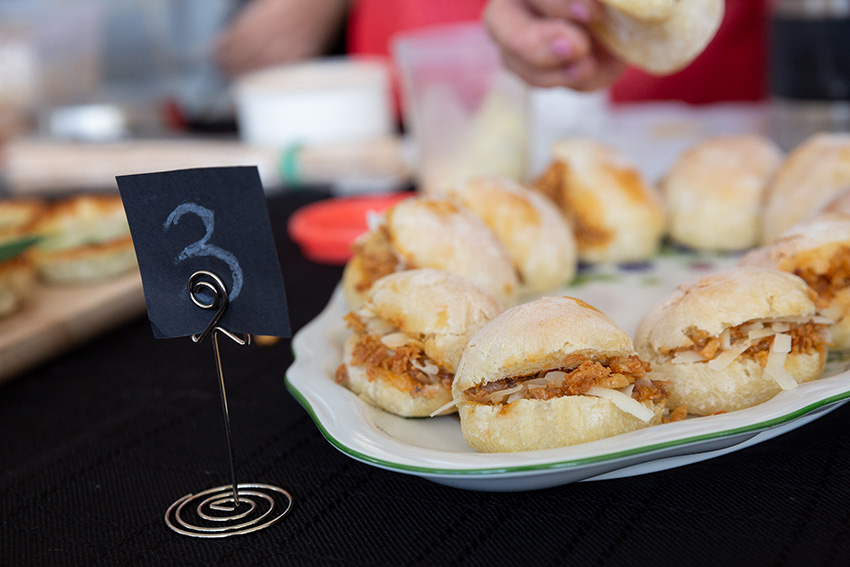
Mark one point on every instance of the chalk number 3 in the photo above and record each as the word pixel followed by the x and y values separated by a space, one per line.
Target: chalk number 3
pixel 202 247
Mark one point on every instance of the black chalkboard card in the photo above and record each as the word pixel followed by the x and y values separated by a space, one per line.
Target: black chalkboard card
pixel 212 219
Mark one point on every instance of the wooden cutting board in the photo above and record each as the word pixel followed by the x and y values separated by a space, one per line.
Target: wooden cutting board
pixel 59 318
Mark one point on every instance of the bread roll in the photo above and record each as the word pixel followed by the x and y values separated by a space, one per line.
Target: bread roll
pixel 536 235
pixel 818 251
pixel 431 232
pixel 812 175
pixel 616 215
pixel 408 339
pixel 660 45
pixel 17 275
pixel 645 10
pixel 84 239
pixel 551 373
pixel 714 192
pixel 734 339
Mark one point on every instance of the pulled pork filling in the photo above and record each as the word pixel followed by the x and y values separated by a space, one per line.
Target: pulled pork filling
pixel 575 376
pixel 377 258
pixel 391 355
pixel 837 277
pixel 757 336
pixel 768 342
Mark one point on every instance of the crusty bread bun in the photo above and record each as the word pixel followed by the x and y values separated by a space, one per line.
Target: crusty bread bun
pixel 551 373
pixel 616 215
pixel 408 339
pixel 812 175
pixel 431 232
pixel 645 10
pixel 17 275
pixel 536 235
pixel 714 192
pixel 84 239
pixel 16 284
pixel 734 339
pixel 661 44
pixel 817 250
pixel 838 204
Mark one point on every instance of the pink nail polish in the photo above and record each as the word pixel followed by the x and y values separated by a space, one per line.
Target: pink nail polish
pixel 579 12
pixel 574 72
pixel 562 47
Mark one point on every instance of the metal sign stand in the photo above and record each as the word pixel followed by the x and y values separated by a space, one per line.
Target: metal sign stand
pixel 229 509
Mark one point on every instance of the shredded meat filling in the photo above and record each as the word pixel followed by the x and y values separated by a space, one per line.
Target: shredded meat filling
pixel 581 375
pixel 837 277
pixel 806 338
pixel 397 366
pixel 376 257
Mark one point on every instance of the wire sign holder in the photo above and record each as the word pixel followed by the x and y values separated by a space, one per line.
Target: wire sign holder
pixel 232 509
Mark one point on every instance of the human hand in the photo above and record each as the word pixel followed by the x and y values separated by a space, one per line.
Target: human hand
pixel 546 42
pixel 271 32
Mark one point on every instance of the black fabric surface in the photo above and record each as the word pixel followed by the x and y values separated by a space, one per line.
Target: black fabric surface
pixel 95 446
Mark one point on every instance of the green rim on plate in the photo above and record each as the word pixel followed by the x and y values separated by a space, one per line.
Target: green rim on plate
pixel 754 427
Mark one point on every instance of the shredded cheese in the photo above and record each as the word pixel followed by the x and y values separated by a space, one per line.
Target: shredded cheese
pixel 623 402
pixel 727 357
pixel 441 409
pixel 775 367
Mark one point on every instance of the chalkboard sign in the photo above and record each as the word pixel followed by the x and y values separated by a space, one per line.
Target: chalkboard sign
pixel 211 219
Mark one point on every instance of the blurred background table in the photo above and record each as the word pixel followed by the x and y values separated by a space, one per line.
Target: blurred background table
pixel 96 445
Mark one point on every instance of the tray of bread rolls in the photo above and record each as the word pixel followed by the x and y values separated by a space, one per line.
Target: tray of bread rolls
pixel 67 273
pixel 590 325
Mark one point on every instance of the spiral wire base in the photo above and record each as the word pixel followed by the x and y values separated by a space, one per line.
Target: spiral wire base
pixel 212 513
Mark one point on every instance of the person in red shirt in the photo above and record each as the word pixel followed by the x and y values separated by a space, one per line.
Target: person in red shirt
pixel 545 42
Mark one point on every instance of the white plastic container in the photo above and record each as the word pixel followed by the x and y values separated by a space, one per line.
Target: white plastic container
pixel 325 101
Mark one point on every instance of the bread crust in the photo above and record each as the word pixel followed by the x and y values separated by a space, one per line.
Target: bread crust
pixel 527 425
pixel 437 232
pixel 813 174
pixel 725 299
pixel 660 46
pixel 16 284
pixel 645 10
pixel 809 248
pixel 742 385
pixel 538 238
pixel 617 215
pixel 536 336
pixel 441 309
pixel 529 338
pixel 380 392
pixel 84 239
pixel 438 309
pixel 714 192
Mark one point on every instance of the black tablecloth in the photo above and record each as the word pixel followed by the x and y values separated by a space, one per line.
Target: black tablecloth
pixel 95 445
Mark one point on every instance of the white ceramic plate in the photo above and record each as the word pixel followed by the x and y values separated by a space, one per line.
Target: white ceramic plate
pixel 435 449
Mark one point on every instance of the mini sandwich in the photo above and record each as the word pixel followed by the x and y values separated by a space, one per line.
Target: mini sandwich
pixel 551 373
pixel 84 239
pixel 616 215
pixel 811 176
pixel 659 36
pixel 536 235
pixel 430 232
pixel 17 275
pixel 714 192
pixel 408 338
pixel 817 250
pixel 734 339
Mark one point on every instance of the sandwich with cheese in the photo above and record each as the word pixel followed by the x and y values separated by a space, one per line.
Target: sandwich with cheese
pixel 408 338
pixel 430 232
pixel 734 339
pixel 17 275
pixel 817 250
pixel 616 215
pixel 551 373
pixel 536 235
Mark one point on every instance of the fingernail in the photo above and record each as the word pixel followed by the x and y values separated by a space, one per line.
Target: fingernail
pixel 562 47
pixel 579 12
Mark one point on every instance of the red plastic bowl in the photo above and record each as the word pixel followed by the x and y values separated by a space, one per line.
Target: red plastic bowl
pixel 326 230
